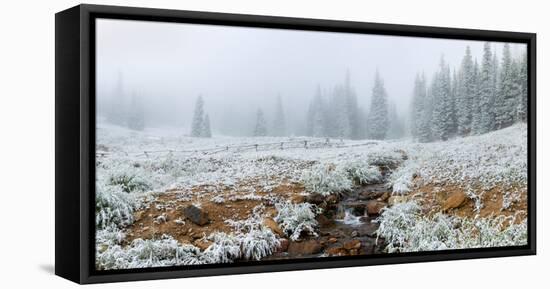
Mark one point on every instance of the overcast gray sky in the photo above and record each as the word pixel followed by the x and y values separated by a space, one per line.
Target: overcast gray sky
pixel 238 70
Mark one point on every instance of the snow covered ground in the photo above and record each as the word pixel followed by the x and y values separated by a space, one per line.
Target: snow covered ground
pixel 135 168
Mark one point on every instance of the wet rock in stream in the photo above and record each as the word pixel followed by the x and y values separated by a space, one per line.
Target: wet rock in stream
pixel 347 225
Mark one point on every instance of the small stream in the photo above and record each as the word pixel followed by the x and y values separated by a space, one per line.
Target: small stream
pixel 347 225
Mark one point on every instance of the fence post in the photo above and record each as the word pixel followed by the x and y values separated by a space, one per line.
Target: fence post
pixel 305 144
pixel 282 143
pixel 256 145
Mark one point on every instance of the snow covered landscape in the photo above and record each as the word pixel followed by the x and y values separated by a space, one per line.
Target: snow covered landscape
pixel 464 193
pixel 207 155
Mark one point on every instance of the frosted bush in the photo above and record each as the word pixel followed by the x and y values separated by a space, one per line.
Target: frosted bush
pixel 149 253
pixel 326 179
pixel 401 179
pixel 406 230
pixel 477 199
pixel 384 158
pixel 109 236
pixel 296 219
pixel 256 240
pixel 224 249
pixel 363 173
pixel 113 206
pixel 258 243
pixel 395 223
pixel 129 179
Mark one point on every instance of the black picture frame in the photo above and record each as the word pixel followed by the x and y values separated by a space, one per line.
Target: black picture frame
pixel 75 141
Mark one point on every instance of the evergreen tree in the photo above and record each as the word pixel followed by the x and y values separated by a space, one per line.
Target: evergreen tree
pixel 351 109
pixel 465 94
pixel 206 132
pixel 476 102
pixel 197 124
pixel 136 114
pixel 397 126
pixel 260 129
pixel 442 107
pixel 316 125
pixel 522 102
pixel 362 119
pixel 495 82
pixel 341 116
pixel 419 96
pixel 486 100
pixel 117 113
pixel 425 131
pixel 454 83
pixel 279 124
pixel 339 108
pixel 378 121
pixel 515 75
pixel 505 104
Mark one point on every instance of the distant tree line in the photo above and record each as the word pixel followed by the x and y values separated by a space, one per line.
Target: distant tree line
pixel 475 99
pixel 200 125
pixel 337 114
pixel 126 112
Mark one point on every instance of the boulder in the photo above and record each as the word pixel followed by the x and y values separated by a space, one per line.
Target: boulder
pixel 336 251
pixel 353 244
pixel 332 199
pixel 455 200
pixel 323 220
pixel 374 208
pixel 315 198
pixel 358 208
pixel 271 224
pixel 196 215
pixel 283 245
pixel 307 247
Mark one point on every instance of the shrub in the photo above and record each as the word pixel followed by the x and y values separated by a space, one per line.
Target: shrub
pixel 295 219
pixel 326 179
pixel 129 182
pixel 402 178
pixel 149 253
pixel 113 207
pixel 363 174
pixel 406 230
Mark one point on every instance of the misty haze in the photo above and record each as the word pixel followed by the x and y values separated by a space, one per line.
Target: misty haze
pixel 237 71
pixel 220 144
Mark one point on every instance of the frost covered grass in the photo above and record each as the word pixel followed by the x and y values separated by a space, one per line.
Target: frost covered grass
pixel 402 178
pixel 326 179
pixel 364 173
pixel 405 229
pixel 297 219
pixel 162 252
pixel 127 178
pixel 250 241
pixel 114 207
pixel 496 158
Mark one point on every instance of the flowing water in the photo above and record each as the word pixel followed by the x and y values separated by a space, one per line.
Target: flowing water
pixel 344 224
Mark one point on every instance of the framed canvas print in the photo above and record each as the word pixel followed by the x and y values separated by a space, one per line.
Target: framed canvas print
pixel 193 144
